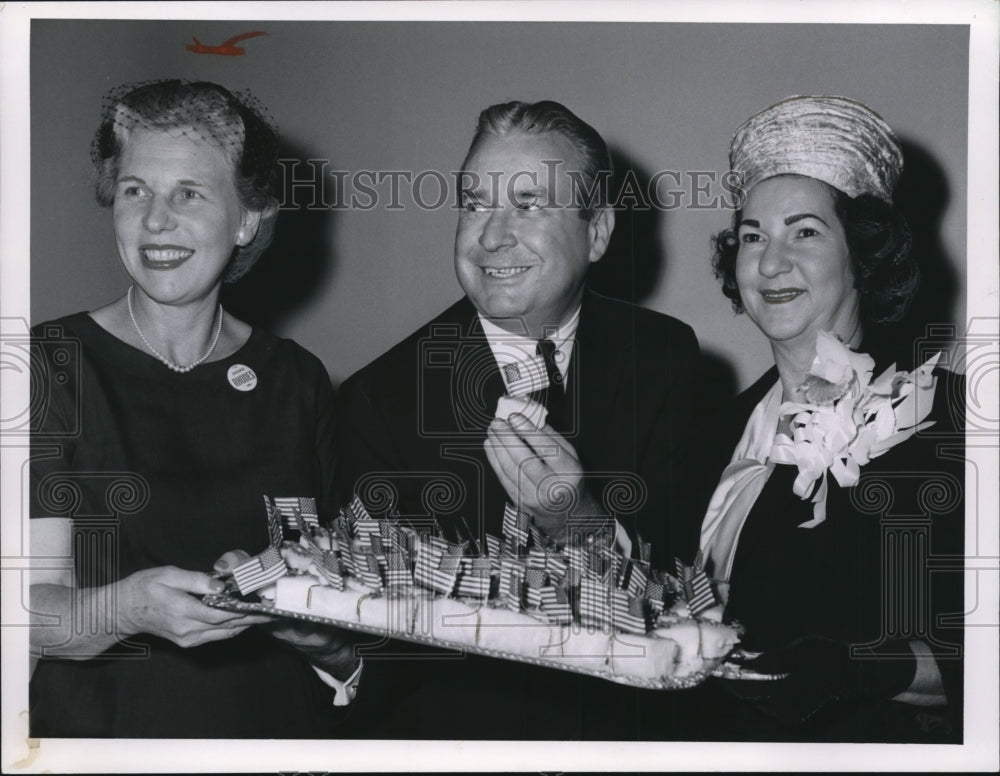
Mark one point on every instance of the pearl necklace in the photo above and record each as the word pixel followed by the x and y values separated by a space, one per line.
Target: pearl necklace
pixel 175 367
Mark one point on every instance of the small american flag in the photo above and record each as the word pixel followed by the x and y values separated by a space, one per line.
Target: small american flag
pixel 526 376
pixel 637 579
pixel 609 579
pixel 614 561
pixel 392 536
pixel 434 569
pixel 427 561
pixel 447 572
pixel 475 579
pixel 435 542
pixel 577 558
pixel 511 582
pixel 274 532
pixel 538 539
pixel 290 505
pixel 515 525
pixel 296 523
pixel 536 558
pixel 533 597
pixel 534 577
pixel 511 374
pixel 627 612
pixel 329 567
pixel 260 571
pixel 347 558
pixel 557 611
pixel 317 554
pixel 341 530
pixel 594 607
pixel 368 570
pixel 600 563
pixel 365 529
pixel 493 550
pixel 655 595
pixel 397 575
pixel 355 510
pixel 555 567
pixel 695 586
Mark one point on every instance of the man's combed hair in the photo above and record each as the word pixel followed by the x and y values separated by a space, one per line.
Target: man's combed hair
pixel 547 116
pixel 203 111
pixel 885 273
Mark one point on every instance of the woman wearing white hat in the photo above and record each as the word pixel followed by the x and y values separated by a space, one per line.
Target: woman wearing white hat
pixel 836 496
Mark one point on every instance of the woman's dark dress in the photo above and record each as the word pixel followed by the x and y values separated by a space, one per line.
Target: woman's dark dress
pixel 884 565
pixel 158 468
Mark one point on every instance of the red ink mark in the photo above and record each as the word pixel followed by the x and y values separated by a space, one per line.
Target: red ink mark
pixel 226 48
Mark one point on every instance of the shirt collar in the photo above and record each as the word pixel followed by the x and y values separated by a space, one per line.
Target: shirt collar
pixel 511 348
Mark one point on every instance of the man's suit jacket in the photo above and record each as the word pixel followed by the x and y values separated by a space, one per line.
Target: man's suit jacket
pixel 413 422
pixel 412 426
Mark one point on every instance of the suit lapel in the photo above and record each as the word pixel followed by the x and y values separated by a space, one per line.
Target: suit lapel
pixel 600 364
pixel 461 387
pixel 461 383
pixel 477 378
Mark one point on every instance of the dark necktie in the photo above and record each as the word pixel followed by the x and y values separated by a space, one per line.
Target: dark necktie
pixel 552 397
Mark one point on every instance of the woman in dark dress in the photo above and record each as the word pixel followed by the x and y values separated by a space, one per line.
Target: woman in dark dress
pixel 840 493
pixel 165 420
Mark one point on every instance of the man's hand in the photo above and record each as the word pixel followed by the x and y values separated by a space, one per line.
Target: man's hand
pixel 326 647
pixel 541 473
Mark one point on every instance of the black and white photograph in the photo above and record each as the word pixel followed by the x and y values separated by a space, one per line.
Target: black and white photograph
pixel 500 386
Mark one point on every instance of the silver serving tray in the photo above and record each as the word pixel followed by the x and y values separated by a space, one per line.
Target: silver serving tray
pixel 231 604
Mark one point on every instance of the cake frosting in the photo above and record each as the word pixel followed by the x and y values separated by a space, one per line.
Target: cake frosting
pixel 676 647
pixel 585 608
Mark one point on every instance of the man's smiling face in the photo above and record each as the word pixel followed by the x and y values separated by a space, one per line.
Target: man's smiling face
pixel 522 248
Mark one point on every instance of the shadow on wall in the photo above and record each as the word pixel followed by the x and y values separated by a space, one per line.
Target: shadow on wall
pixel 923 195
pixel 717 384
pixel 296 266
pixel 635 258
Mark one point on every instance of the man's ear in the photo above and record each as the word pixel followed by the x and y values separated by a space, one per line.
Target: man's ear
pixel 602 223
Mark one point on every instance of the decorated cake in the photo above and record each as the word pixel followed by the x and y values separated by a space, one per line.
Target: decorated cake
pixel 582 608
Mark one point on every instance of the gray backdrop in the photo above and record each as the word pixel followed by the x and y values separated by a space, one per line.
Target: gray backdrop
pixel 348 283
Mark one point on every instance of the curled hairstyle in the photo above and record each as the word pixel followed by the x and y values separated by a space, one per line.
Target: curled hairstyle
pixel 235 124
pixel 878 239
pixel 547 116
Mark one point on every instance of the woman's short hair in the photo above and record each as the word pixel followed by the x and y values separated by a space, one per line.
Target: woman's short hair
pixel 878 239
pixel 548 116
pixel 236 124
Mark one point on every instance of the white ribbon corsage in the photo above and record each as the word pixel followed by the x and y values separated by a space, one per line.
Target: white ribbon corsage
pixel 848 418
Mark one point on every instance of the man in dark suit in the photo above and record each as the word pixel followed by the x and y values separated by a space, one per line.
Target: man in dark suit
pixel 419 434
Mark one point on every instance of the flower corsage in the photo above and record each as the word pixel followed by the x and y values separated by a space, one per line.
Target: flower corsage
pixel 848 418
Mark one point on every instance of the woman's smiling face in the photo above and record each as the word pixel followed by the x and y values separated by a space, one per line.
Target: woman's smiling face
pixel 794 268
pixel 177 215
